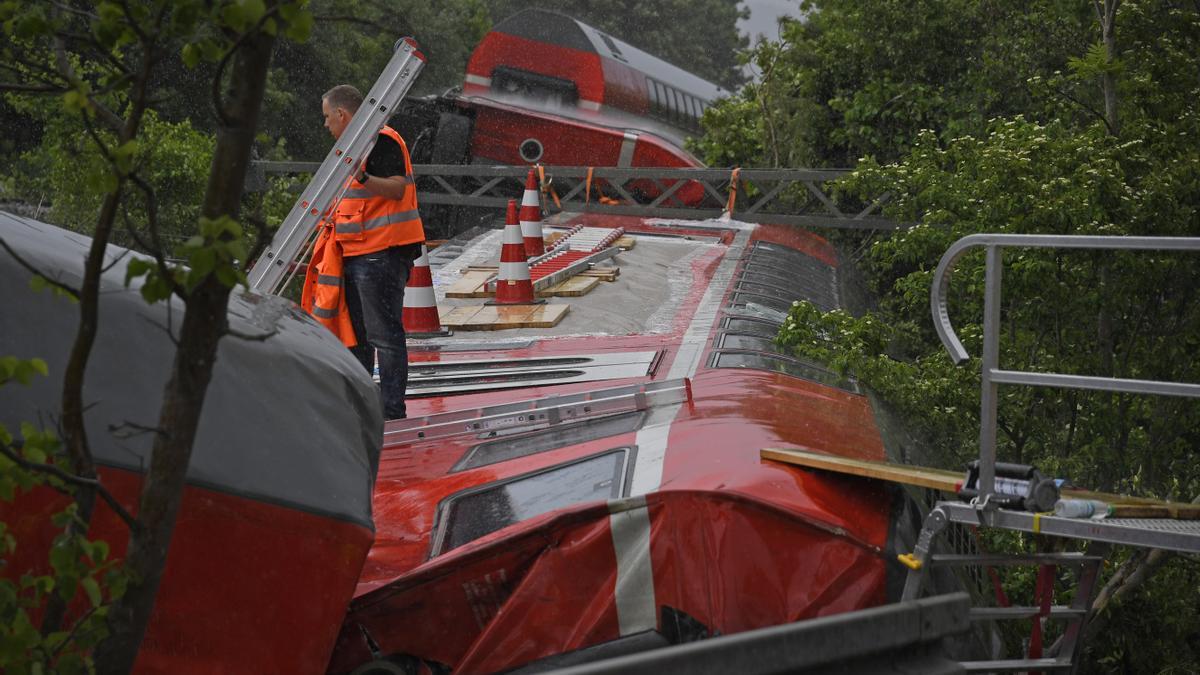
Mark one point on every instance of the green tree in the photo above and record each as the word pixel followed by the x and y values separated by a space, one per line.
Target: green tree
pixel 100 59
pixel 1057 116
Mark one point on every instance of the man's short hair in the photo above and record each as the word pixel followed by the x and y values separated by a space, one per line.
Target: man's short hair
pixel 344 96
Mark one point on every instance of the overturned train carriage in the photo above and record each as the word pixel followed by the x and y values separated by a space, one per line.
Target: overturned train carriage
pixel 276 517
pixel 561 495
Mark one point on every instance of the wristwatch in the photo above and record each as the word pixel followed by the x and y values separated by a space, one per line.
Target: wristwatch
pixel 363 177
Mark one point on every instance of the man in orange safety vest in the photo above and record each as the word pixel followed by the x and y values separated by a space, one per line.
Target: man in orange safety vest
pixel 363 256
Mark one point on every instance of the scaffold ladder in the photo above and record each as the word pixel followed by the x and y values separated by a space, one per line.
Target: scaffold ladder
pixel 276 265
pixel 1174 534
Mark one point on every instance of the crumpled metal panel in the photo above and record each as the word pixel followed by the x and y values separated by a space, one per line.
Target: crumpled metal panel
pixel 729 561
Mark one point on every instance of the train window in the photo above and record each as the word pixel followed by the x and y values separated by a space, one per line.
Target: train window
pixel 751 326
pixel 740 299
pixel 795 367
pixel 476 512
pixel 680 111
pixel 612 47
pixel 512 447
pixel 751 309
pixel 771 290
pixel 799 274
pixel 543 88
pixel 756 343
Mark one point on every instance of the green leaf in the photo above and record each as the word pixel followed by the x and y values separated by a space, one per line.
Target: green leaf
pixel 92 589
pixel 191 55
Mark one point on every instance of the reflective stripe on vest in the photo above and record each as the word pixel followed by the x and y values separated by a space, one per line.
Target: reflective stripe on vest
pixel 322 295
pixel 365 223
pixel 400 217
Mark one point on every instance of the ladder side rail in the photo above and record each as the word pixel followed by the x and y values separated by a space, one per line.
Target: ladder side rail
pixel 990 373
pixel 343 159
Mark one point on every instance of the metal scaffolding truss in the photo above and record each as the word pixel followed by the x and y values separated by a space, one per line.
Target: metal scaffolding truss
pixel 783 196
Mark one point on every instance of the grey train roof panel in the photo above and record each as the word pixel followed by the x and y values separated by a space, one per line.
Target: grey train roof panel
pixel 292 420
pixel 558 29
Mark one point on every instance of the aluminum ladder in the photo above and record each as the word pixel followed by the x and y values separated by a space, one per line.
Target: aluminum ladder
pixel 276 265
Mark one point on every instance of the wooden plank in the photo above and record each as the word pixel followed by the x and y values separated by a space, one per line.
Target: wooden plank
pixel 946 481
pixel 457 317
pixel 574 287
pixel 546 316
pixel 602 273
pixel 471 285
pixel 1123 506
pixel 626 242
pixel 501 317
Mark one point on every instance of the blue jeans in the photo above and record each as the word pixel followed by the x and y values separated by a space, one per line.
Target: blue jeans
pixel 374 287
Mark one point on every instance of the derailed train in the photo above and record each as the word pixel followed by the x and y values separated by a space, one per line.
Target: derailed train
pixel 558 495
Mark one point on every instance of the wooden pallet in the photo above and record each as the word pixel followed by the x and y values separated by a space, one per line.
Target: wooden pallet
pixel 571 288
pixel 1122 506
pixel 471 285
pixel 500 317
pixel 474 281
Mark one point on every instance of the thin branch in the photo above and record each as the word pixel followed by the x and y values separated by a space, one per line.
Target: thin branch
pixel 152 226
pixel 32 88
pixel 123 430
pixel 116 260
pixel 167 328
pixel 1087 108
pixel 94 483
pixel 74 629
pixel 219 77
pixel 73 292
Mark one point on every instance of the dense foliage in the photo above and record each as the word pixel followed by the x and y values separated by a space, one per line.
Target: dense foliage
pixel 1049 117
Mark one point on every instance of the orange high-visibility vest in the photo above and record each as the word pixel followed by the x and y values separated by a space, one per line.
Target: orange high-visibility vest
pixel 365 223
pixel 322 295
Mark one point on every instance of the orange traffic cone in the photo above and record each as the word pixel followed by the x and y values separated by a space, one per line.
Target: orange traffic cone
pixel 531 218
pixel 513 286
pixel 420 314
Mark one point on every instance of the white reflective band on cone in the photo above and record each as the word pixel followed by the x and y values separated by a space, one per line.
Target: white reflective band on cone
pixel 419 297
pixel 514 271
pixel 512 235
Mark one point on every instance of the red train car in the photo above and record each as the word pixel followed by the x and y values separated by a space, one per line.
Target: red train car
pixel 544 88
pixel 563 494
pixel 276 516
pixel 557 61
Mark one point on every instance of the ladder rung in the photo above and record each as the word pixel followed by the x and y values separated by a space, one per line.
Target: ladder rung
pixel 1000 559
pixel 1056 612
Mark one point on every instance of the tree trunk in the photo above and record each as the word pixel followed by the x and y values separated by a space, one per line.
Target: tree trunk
pixel 204 323
pixel 75 441
pixel 1108 34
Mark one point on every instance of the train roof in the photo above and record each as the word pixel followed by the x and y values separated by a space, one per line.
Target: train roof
pixel 556 488
pixel 558 29
pixel 289 420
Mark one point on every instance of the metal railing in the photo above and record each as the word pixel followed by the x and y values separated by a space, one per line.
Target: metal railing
pixel 783 196
pixel 992 374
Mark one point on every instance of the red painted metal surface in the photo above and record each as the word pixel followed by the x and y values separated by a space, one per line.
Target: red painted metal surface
pixel 501 49
pixel 249 587
pixel 500 129
pixel 735 542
